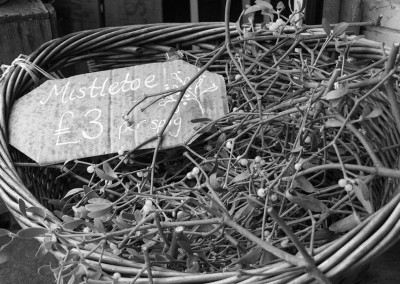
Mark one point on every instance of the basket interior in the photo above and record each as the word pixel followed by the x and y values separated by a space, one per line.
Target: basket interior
pixel 283 125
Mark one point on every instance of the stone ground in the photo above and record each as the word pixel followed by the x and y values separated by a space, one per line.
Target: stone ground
pixel 18 264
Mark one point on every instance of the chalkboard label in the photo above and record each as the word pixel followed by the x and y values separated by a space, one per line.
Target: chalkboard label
pixel 82 116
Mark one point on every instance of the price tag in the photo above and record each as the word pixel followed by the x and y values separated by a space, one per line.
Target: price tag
pixel 82 116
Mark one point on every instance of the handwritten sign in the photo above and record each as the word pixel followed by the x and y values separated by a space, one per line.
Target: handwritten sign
pixel 82 116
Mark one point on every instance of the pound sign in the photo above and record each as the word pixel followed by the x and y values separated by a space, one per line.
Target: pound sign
pixel 61 131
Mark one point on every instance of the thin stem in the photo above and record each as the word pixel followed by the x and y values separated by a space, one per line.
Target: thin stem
pixel 263 244
pixel 392 97
pixel 160 229
pixel 310 261
pixel 147 263
pixel 176 235
pixel 379 171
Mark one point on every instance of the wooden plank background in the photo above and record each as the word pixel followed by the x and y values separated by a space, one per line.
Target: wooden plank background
pixel 24 26
pixel 130 12
pixel 389 31
pixel 77 15
pixel 367 10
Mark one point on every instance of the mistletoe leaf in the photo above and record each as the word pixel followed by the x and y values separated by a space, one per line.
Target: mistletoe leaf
pixel 22 207
pixel 30 233
pixel 363 195
pixel 73 192
pixel 260 6
pixel 70 226
pixel 184 243
pixel 242 176
pixel 339 29
pixel 335 94
pixel 109 171
pixel 345 224
pixel 304 184
pixel 280 6
pixel 4 232
pixel 252 256
pixel 102 175
pixel 254 202
pixel 326 26
pixel 220 141
pixel 331 122
pixel 307 202
pixel 377 111
pixel 214 182
pixel 38 211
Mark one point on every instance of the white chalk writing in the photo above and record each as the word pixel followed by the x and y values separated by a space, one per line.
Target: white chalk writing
pixel 191 94
pixel 62 131
pixel 67 93
pixel 86 123
pixel 156 125
pixel 95 122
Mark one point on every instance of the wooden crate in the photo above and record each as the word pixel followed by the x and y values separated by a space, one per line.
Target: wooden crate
pixel 77 15
pixel 130 12
pixel 367 10
pixel 389 30
pixel 24 26
pixel 336 11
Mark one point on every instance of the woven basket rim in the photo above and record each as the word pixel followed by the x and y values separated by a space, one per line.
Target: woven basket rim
pixel 175 35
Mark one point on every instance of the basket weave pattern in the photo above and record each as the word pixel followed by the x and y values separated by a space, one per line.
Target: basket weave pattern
pixel 23 186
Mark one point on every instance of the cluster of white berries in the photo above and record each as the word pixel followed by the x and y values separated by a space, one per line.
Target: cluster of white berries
pixel 262 191
pixel 229 144
pixel 285 243
pixel 115 249
pixel 148 207
pixel 86 230
pixel 275 25
pixel 244 162
pixel 346 184
pixel 80 212
pixel 90 169
pixel 336 85
pixel 208 147
pixel 142 174
pixel 117 275
pixel 121 151
pixel 195 171
pixel 260 161
pixel 362 131
pixel 127 119
pixel 236 109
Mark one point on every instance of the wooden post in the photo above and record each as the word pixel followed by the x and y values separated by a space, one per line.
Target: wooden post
pixel 297 6
pixel 244 3
pixel 331 11
pixel 350 11
pixel 76 15
pixel 194 11
pixel 388 31
pixel 130 12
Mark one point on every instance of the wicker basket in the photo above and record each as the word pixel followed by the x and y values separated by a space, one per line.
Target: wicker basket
pixel 23 187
